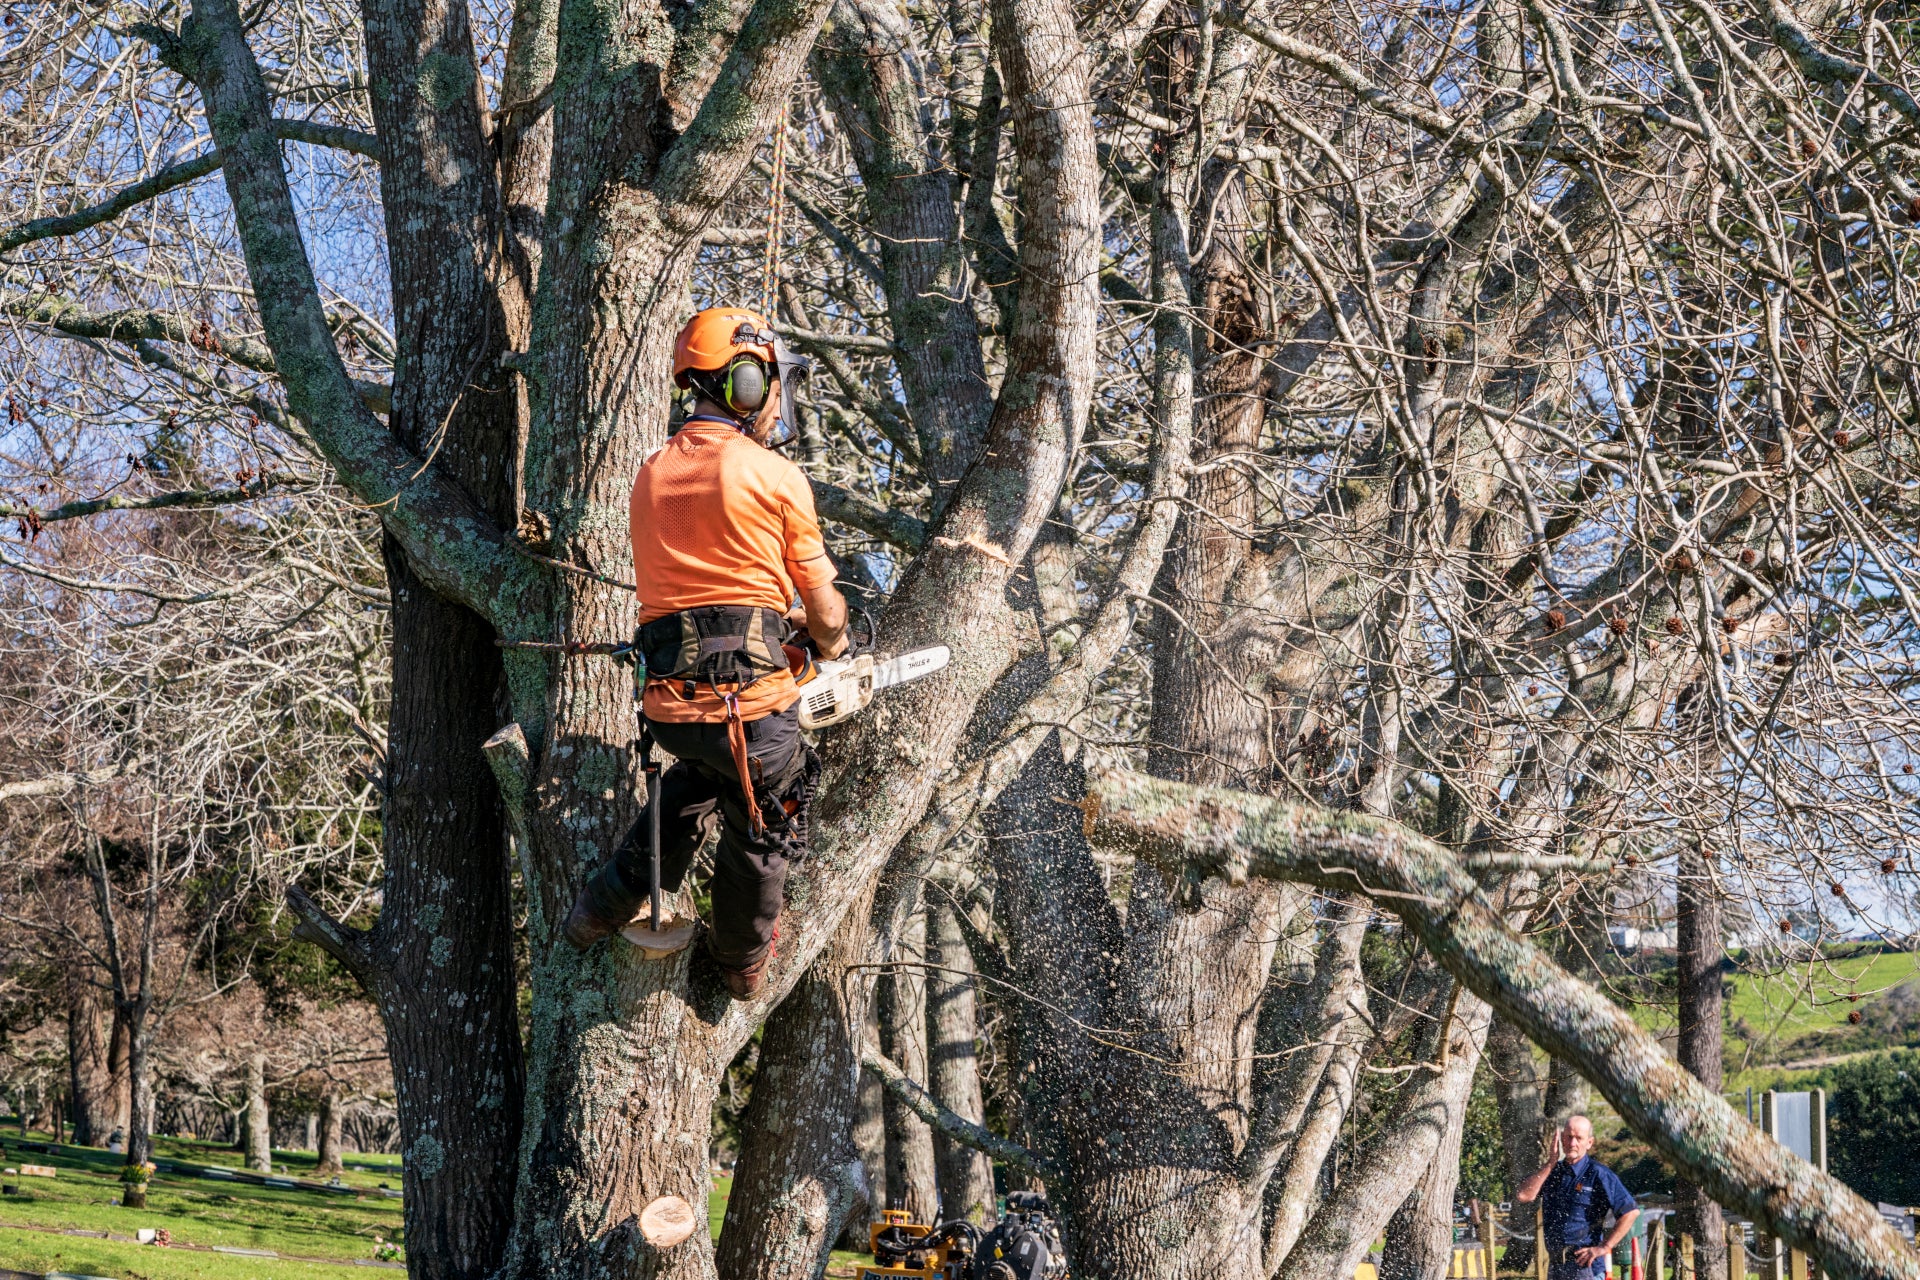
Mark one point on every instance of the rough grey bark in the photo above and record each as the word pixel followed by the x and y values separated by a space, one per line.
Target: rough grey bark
pixel 1398 1159
pixel 444 939
pixel 327 1151
pixel 259 1120
pixel 1701 960
pixel 866 62
pixel 1419 1236
pixel 1307 1103
pixel 870 1140
pixel 799 1163
pixel 912 1178
pixel 1210 831
pixel 953 1028
pixel 89 1078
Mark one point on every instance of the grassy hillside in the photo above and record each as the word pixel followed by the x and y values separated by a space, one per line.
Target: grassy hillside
pixel 1782 1013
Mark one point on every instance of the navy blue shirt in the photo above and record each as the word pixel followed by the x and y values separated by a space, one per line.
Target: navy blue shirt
pixel 1576 1199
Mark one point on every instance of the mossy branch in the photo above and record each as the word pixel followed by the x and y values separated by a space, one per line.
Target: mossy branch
pixel 909 533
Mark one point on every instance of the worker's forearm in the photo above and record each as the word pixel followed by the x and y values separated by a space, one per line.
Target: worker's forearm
pixel 826 619
pixel 1529 1190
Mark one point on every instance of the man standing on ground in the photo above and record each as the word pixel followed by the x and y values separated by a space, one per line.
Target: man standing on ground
pixel 724 539
pixel 1576 1194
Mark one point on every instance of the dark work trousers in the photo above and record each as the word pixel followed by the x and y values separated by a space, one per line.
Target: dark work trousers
pixel 749 876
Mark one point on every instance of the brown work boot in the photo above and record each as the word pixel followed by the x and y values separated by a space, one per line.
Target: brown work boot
pixel 746 982
pixel 604 907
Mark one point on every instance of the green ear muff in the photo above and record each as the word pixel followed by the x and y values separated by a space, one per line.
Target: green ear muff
pixel 746 387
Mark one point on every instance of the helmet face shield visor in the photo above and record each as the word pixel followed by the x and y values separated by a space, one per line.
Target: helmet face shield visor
pixel 792 369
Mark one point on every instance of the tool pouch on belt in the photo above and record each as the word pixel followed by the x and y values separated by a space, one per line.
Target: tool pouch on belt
pixel 724 646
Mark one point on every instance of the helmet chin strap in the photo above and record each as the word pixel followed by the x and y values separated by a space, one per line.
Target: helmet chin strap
pixel 707 405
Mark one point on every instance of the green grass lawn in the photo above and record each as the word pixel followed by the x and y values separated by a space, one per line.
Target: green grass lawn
pixel 194 1210
pixel 33 1251
pixel 1797 1011
pixel 201 1211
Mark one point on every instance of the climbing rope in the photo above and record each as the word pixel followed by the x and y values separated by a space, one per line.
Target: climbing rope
pixel 776 215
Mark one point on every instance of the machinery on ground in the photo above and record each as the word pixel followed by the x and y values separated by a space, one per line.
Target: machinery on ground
pixel 1023 1245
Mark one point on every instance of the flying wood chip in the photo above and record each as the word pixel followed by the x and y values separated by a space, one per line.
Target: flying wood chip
pixel 666 1222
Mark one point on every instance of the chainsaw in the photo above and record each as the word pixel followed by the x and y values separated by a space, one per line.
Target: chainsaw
pixel 836 689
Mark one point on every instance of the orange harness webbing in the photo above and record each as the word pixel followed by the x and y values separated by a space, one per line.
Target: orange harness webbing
pixel 737 739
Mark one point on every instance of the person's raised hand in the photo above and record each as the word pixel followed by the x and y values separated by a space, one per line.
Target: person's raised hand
pixel 1556 1147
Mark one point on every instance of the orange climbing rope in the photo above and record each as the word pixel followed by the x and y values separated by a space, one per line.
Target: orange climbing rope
pixel 776 216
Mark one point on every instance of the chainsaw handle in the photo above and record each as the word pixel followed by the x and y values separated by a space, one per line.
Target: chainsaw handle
pixel 798 638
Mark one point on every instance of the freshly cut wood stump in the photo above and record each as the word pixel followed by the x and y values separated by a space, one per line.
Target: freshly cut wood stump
pixel 667 1221
pixel 674 935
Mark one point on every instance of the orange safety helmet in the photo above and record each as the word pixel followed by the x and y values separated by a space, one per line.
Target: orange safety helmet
pixel 714 338
pixel 718 338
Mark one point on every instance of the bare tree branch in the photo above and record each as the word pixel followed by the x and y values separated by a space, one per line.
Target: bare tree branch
pixel 959 1128
pixel 178 175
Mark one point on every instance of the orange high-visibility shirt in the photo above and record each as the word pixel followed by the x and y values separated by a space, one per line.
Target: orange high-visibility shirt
pixel 718 519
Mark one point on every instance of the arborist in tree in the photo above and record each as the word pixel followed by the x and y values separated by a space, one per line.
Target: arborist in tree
pixel 724 541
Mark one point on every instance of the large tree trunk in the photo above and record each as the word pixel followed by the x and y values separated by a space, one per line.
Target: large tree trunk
pixel 953 1029
pixel 1702 951
pixel 120 1081
pixel 442 950
pixel 870 1141
pixel 799 1178
pixel 444 939
pixel 439 960
pixel 1151 1186
pixel 1398 1159
pixel 1519 1091
pixel 89 1079
pixel 259 1123
pixel 140 1091
pixel 327 1155
pixel 912 1179
pixel 1420 1234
